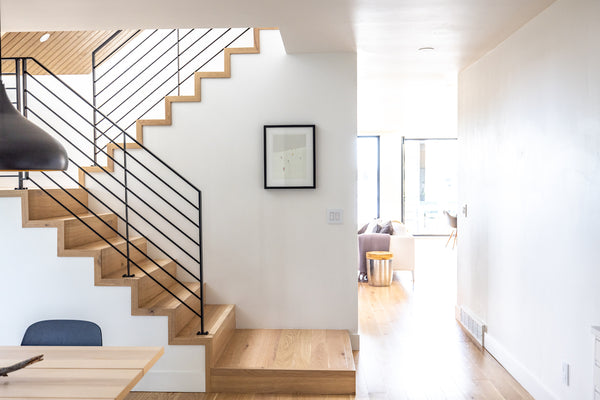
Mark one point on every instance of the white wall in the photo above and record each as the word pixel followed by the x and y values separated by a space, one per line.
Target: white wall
pixel 270 253
pixel 529 129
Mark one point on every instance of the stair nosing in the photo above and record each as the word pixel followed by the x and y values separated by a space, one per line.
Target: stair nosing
pixel 115 240
pixel 162 262
pixel 59 218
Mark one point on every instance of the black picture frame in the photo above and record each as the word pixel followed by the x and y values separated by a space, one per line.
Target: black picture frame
pixel 289 157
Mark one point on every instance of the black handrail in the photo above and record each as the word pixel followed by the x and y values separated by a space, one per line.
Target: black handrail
pixel 25 91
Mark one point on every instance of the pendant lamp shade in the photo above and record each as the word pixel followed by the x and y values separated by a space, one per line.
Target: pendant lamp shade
pixel 24 146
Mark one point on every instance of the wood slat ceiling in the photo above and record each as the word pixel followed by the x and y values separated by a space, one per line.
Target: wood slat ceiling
pixel 64 53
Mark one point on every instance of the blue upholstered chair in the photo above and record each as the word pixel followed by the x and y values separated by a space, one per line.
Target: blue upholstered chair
pixel 63 332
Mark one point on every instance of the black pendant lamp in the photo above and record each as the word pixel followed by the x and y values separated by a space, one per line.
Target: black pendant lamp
pixel 24 146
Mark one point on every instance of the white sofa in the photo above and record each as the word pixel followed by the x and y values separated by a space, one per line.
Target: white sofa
pixel 402 246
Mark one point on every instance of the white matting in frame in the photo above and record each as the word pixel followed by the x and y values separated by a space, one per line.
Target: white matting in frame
pixel 289 156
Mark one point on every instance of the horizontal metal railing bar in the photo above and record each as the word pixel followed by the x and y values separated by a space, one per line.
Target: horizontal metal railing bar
pixel 140 73
pixel 106 153
pixel 127 55
pixel 144 55
pixel 180 69
pixel 210 59
pixel 107 241
pixel 58 97
pixel 134 140
pixel 114 50
pixel 183 267
pixel 143 165
pixel 134 228
pixel 200 38
pixel 190 75
pixel 118 215
pixel 130 191
pixel 131 66
pixel 165 82
pixel 121 217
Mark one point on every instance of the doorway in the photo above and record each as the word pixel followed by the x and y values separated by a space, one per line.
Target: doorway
pixel 429 184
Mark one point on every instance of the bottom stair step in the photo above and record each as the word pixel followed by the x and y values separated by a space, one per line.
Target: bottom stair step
pixel 286 361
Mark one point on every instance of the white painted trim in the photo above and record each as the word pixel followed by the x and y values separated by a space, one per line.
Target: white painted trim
pixel 171 381
pixel 354 341
pixel 527 379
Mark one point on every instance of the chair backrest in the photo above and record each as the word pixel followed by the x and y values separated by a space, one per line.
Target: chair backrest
pixel 63 332
pixel 452 219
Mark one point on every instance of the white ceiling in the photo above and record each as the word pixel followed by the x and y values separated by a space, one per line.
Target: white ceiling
pixel 385 33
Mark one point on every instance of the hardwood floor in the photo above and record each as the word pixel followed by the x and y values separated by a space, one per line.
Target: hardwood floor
pixel 411 346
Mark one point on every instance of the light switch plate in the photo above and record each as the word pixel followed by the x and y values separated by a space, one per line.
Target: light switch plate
pixel 335 216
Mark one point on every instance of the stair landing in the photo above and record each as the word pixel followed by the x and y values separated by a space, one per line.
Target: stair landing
pixel 286 361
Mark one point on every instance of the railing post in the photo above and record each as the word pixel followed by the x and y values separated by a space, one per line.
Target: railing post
pixel 128 274
pixel 178 70
pixel 18 84
pixel 23 175
pixel 24 91
pixel 200 264
pixel 22 106
pixel 94 122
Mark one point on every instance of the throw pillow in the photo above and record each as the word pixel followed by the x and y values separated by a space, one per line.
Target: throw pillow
pixel 373 227
pixel 363 229
pixel 387 228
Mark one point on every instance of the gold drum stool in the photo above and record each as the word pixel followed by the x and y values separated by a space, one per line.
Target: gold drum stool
pixel 379 268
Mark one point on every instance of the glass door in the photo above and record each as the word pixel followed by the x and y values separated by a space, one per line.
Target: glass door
pixel 368 178
pixel 429 184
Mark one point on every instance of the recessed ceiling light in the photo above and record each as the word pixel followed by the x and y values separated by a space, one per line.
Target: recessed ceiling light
pixel 45 37
pixel 426 48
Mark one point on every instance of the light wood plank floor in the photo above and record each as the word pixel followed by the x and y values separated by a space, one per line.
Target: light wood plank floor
pixel 411 346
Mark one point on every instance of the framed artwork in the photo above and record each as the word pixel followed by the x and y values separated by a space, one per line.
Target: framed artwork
pixel 289 156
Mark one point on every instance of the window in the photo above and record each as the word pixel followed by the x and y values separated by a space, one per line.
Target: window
pixel 368 178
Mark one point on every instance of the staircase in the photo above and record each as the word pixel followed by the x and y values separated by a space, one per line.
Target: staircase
pixel 166 279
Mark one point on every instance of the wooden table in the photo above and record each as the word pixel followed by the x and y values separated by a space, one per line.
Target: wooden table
pixel 75 372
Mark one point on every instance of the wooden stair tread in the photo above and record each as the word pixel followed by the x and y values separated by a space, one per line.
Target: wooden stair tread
pixel 70 217
pixel 288 349
pixel 307 361
pixel 166 301
pixel 101 244
pixel 147 265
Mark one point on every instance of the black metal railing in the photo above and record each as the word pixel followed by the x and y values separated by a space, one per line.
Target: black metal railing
pixel 130 84
pixel 156 199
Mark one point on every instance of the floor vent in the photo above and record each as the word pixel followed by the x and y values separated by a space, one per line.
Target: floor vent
pixel 473 326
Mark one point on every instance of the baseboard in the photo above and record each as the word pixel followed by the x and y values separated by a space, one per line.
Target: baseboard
pixel 354 341
pixel 517 370
pixel 171 381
